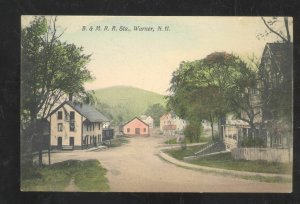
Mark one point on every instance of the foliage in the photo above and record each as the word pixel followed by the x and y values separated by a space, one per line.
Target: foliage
pixel 211 87
pixel 252 142
pixel 193 131
pixel 88 175
pixel 155 111
pixel 50 69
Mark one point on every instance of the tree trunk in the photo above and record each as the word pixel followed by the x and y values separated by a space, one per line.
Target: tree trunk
pixel 49 158
pixel 36 135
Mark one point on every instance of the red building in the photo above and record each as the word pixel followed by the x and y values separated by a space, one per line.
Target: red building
pixel 136 127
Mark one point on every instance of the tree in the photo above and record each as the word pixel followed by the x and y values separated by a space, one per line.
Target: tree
pixel 50 69
pixel 278 26
pixel 212 87
pixel 155 111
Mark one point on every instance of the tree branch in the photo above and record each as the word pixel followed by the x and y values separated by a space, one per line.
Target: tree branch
pixel 273 31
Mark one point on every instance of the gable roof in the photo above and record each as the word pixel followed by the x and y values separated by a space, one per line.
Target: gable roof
pixel 136 118
pixel 88 111
pixel 281 53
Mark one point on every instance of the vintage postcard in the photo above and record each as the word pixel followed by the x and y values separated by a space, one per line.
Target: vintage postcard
pixel 156 104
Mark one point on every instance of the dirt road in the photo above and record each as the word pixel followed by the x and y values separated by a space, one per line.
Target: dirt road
pixel 135 167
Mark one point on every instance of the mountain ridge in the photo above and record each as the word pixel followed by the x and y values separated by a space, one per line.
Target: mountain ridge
pixel 122 103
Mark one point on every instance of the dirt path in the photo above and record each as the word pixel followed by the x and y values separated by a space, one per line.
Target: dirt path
pixel 72 187
pixel 135 167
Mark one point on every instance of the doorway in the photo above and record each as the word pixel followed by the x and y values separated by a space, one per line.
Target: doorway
pixel 59 142
pixel 137 131
pixel 72 141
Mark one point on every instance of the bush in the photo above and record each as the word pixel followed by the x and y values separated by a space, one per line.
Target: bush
pixel 193 132
pixel 252 142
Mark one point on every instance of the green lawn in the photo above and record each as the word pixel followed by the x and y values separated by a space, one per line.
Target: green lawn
pixel 180 153
pixel 88 175
pixel 225 161
pixel 202 139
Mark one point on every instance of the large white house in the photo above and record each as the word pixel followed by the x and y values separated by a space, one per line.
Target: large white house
pixel 76 126
pixel 171 123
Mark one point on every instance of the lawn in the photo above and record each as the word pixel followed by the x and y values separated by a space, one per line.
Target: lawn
pixel 181 153
pixel 202 139
pixel 225 161
pixel 88 175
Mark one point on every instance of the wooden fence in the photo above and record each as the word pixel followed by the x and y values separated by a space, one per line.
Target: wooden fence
pixel 267 154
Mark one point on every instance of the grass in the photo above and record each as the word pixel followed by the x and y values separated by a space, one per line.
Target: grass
pixel 268 179
pixel 88 175
pixel 171 141
pixel 225 161
pixel 117 142
pixel 181 153
pixel 201 140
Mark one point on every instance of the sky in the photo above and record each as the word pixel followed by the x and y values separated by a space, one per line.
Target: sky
pixel 146 59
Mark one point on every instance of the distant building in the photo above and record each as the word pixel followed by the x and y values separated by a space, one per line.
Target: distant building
pixel 76 126
pixel 148 119
pixel 171 123
pixel 136 127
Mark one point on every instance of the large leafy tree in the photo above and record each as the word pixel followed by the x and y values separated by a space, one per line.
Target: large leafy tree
pixel 211 87
pixel 50 69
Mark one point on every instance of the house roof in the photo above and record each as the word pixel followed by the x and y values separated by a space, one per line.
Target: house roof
pixel 88 111
pixel 138 119
pixel 280 52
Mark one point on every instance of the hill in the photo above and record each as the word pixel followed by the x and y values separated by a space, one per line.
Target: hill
pixel 122 103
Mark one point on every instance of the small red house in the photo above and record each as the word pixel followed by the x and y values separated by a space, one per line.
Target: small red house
pixel 136 127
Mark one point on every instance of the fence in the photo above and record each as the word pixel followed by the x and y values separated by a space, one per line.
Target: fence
pixel 267 154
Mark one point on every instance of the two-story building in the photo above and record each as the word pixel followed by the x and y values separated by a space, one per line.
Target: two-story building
pixel 75 126
pixel 171 123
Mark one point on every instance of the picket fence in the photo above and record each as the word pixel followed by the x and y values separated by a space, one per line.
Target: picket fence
pixel 267 154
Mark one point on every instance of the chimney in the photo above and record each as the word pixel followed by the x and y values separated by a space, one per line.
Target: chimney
pixel 70 96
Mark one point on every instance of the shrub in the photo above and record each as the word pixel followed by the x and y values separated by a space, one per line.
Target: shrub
pixel 252 142
pixel 193 132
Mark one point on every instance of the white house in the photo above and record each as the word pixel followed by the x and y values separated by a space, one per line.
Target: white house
pixel 148 119
pixel 75 126
pixel 170 122
pixel 233 131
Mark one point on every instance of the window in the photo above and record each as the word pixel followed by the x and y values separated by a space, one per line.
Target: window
pixel 72 126
pixel 128 129
pixel 99 126
pixel 59 127
pixel 72 115
pixel 59 115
